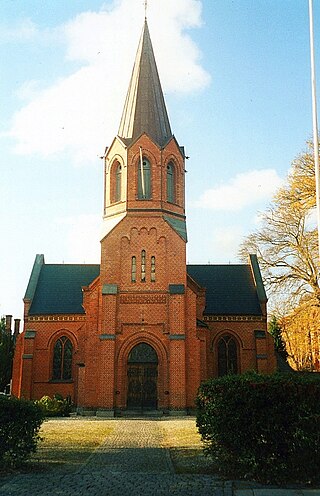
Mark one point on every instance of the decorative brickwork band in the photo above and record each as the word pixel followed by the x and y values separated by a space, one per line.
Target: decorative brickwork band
pixel 177 337
pixel 136 298
pixel 58 318
pixel 233 318
pixel 27 356
pixel 262 357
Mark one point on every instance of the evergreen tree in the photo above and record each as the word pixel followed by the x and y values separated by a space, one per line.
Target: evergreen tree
pixel 6 355
pixel 276 332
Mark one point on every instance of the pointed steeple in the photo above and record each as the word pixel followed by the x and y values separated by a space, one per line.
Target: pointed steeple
pixel 145 110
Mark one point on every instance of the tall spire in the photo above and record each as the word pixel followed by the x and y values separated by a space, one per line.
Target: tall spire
pixel 145 110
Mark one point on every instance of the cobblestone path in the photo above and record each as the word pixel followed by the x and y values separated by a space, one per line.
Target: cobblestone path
pixel 130 462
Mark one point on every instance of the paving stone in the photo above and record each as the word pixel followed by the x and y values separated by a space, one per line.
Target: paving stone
pixel 131 461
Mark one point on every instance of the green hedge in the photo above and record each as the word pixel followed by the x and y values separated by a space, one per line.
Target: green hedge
pixel 20 422
pixel 56 406
pixel 265 427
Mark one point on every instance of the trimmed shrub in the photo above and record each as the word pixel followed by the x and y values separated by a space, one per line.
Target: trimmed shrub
pixel 265 427
pixel 55 407
pixel 20 421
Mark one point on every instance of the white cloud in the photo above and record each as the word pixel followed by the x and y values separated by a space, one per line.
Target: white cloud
pixel 82 239
pixel 226 239
pixel 23 30
pixel 312 219
pixel 80 113
pixel 28 90
pixel 243 190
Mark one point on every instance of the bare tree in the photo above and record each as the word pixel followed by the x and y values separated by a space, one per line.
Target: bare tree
pixel 286 243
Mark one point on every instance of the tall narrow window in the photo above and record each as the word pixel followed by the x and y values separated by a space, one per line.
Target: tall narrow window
pixel 115 182
pixel 143 266
pixel 144 180
pixel 153 269
pixel 62 359
pixel 227 356
pixel 170 183
pixel 133 269
pixel 117 197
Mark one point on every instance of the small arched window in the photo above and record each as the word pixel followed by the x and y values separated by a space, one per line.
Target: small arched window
pixel 170 183
pixel 143 266
pixel 62 359
pixel 133 269
pixel 144 179
pixel 153 269
pixel 227 355
pixel 117 197
pixel 115 182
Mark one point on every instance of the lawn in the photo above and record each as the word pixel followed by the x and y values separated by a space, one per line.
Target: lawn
pixel 67 443
pixel 185 447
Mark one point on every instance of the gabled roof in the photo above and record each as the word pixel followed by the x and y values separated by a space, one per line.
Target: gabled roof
pixel 58 289
pixel 230 289
pixel 145 110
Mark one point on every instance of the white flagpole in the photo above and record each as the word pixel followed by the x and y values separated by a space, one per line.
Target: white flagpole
pixel 315 120
pixel 142 173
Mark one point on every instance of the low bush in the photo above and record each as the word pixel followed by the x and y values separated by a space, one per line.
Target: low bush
pixel 56 406
pixel 20 421
pixel 265 427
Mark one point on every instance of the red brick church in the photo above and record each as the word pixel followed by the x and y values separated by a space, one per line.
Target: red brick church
pixel 142 329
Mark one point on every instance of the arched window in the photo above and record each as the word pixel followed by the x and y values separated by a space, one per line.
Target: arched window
pixel 115 182
pixel 227 355
pixel 153 269
pixel 143 266
pixel 170 183
pixel 117 197
pixel 144 179
pixel 62 359
pixel 133 269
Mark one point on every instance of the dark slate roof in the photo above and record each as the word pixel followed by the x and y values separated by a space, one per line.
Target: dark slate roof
pixel 230 289
pixel 58 289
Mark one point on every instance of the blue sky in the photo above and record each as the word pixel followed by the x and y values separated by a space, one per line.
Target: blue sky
pixel 236 78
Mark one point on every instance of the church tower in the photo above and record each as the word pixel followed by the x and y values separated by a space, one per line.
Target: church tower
pixel 143 253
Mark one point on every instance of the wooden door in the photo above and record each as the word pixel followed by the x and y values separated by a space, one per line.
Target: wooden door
pixel 142 377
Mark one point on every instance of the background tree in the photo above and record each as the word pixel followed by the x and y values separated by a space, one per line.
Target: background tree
pixel 276 332
pixel 301 333
pixel 287 248
pixel 286 243
pixel 6 355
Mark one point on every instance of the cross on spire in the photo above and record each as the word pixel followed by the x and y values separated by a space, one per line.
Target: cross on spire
pixel 145 4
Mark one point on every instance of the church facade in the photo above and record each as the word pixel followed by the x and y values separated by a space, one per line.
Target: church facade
pixel 142 329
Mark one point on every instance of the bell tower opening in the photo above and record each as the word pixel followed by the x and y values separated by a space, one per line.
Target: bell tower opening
pixel 142 378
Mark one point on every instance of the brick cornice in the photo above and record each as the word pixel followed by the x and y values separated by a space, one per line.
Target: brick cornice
pixel 56 318
pixel 234 318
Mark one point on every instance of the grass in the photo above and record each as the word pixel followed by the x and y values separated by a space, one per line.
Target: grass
pixel 67 443
pixel 185 446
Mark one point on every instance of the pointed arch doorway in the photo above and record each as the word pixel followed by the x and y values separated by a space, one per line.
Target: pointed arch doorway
pixel 142 378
